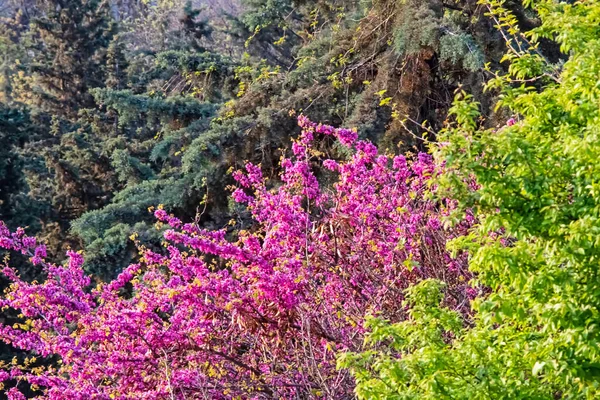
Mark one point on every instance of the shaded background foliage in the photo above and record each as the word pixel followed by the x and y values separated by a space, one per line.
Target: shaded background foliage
pixel 126 105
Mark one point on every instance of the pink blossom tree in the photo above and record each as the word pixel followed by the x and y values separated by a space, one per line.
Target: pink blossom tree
pixel 258 316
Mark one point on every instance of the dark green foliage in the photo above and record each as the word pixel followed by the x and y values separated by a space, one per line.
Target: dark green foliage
pixel 193 27
pixel 106 232
pixel 69 43
pixel 157 105
pixel 419 26
pixel 152 109
pixel 15 206
pixel 169 147
pixel 460 48
pixel 116 64
pixel 266 14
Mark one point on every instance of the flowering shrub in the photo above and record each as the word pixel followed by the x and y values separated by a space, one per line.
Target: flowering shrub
pixel 261 316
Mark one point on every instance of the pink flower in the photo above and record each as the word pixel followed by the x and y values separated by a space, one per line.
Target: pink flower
pixel 330 165
pixel 238 310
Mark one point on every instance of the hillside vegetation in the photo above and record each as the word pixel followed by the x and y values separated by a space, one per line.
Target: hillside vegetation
pixel 279 199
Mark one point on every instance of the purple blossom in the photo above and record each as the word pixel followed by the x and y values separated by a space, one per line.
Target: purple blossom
pixel 230 316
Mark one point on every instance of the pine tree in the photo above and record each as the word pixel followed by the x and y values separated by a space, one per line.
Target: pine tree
pixel 70 47
pixel 67 46
pixel 116 66
pixel 15 206
pixel 155 121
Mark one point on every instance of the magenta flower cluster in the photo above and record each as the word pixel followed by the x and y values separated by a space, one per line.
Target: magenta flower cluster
pixel 260 315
